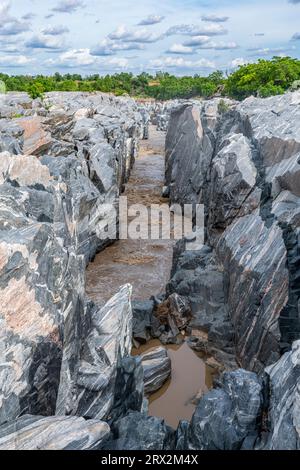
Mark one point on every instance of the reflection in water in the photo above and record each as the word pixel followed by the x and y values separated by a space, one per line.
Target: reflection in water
pixel 191 377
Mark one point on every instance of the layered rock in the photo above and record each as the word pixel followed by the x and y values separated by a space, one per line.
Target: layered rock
pixel 243 166
pixel 53 433
pixel 243 285
pixel 58 352
pixel 227 418
pixel 138 431
pixel 157 369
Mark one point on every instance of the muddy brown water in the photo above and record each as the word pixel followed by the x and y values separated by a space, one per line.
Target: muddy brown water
pixel 146 264
pixel 190 379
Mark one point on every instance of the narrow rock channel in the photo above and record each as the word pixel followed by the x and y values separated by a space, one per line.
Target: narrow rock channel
pixel 146 265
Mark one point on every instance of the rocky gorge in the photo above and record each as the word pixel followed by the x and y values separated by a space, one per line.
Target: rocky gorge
pixel 68 379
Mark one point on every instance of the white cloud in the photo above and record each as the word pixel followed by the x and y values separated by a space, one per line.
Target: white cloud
pixel 9 25
pixel 139 35
pixel 215 18
pixel 77 57
pixel 197 41
pixel 15 61
pixel 45 42
pixel 55 30
pixel 180 49
pixel 194 30
pixel 219 46
pixel 108 47
pixel 180 62
pixel 118 62
pixel 239 61
pixel 69 6
pixel 151 19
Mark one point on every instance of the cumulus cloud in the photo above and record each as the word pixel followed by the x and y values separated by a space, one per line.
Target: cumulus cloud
pixel 180 62
pixel 238 62
pixel 69 6
pixel 43 42
pixel 108 47
pixel 150 20
pixel 15 61
pixel 215 18
pixel 194 30
pixel 296 36
pixel 294 1
pixel 76 58
pixel 268 51
pixel 118 62
pixel 196 41
pixel 10 25
pixel 73 58
pixel 56 30
pixel 219 46
pixel 180 49
pixel 140 35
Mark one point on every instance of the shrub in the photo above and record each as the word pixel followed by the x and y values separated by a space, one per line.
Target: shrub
pixel 35 90
pixel 2 87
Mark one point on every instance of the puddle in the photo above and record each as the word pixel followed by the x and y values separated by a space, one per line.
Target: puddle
pixel 191 377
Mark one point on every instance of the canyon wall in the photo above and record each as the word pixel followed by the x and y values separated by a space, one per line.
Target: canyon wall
pixel 62 161
pixel 242 162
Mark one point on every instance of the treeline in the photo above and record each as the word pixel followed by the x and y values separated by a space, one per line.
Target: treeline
pixel 264 78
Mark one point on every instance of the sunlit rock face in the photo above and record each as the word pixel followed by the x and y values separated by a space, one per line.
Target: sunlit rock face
pixel 243 165
pixel 59 165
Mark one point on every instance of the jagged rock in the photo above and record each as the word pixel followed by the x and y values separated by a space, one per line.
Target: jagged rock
pixel 227 416
pixel 157 369
pixel 255 258
pixel 284 402
pixel 142 320
pixel 88 387
pixel 11 136
pixel 52 222
pixel 233 177
pixel 243 165
pixel 140 432
pixel 53 433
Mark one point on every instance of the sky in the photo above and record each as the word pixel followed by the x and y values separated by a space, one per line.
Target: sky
pixel 182 37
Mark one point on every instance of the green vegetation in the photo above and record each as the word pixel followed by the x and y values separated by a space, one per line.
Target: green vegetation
pixel 264 78
pixel 223 107
pixel 2 87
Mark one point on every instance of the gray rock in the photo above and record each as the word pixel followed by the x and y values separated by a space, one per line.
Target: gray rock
pixel 142 320
pixel 227 416
pixel 53 433
pixel 157 369
pixel 139 432
pixel 88 388
pixel 284 397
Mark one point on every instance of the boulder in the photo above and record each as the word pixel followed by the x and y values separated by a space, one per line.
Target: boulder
pixel 284 402
pixel 157 369
pixel 140 432
pixel 226 417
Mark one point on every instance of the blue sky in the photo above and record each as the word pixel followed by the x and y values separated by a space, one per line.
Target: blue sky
pixel 178 36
